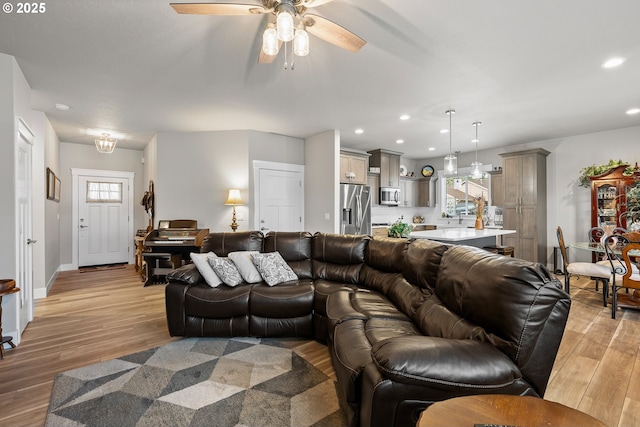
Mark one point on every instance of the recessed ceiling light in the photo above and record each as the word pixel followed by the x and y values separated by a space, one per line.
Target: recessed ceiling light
pixel 359 131
pixel 613 62
pixel 432 148
pixel 62 107
pixel 399 141
pixel 405 117
pixel 444 130
pixel 633 111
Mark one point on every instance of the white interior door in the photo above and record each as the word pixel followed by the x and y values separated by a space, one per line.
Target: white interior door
pixel 24 224
pixel 103 220
pixel 280 200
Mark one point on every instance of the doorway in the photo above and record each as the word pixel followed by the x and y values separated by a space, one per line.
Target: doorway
pixel 24 222
pixel 279 196
pixel 102 218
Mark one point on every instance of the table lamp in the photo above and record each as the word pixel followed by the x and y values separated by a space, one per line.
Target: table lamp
pixel 234 200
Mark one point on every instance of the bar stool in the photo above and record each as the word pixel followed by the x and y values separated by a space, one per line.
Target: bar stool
pixel 7 286
pixel 499 249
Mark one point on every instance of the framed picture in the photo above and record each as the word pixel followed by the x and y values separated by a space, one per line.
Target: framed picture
pixel 56 190
pixel 51 182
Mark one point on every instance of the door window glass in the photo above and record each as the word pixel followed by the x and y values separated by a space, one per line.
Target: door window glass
pixel 104 192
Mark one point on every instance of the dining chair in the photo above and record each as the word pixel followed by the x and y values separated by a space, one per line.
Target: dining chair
pixel 589 269
pixel 626 274
pixel 595 235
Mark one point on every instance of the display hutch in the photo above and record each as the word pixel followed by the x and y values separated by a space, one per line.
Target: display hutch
pixel 615 199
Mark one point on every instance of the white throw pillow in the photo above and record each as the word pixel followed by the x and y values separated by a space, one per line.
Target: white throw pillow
pixel 205 269
pixel 244 263
pixel 226 270
pixel 273 268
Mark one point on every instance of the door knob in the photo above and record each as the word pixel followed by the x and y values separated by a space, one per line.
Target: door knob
pixel 84 226
pixel 31 242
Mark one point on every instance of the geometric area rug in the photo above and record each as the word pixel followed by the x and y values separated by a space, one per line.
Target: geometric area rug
pixel 240 382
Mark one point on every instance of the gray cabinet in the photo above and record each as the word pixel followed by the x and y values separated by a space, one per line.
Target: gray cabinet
pixel 414 192
pixel 524 203
pixel 497 188
pixel 389 164
pixel 353 167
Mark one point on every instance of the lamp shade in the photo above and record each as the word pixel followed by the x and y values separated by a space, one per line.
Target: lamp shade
pixel 284 23
pixel 234 197
pixel 270 40
pixel 301 42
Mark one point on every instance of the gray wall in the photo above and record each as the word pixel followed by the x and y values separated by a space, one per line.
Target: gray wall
pixel 87 157
pixel 322 192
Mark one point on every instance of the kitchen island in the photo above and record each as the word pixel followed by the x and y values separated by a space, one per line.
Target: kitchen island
pixel 463 236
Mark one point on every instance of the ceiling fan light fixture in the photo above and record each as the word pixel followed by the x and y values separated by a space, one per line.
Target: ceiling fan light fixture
pixel 301 41
pixel 105 144
pixel 284 23
pixel 270 40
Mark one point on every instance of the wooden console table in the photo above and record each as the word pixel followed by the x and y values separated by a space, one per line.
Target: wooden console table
pixel 7 286
pixel 520 411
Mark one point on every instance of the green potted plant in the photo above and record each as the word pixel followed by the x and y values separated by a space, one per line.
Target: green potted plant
pixel 594 170
pixel 399 228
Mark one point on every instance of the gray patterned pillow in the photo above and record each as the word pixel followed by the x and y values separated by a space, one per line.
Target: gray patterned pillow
pixel 273 268
pixel 226 270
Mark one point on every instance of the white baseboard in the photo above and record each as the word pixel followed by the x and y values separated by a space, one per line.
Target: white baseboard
pixel 68 267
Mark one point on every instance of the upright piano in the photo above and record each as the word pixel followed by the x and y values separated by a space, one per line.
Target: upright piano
pixel 168 247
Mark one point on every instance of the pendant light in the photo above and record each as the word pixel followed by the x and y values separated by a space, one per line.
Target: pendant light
pixel 451 160
pixel 477 166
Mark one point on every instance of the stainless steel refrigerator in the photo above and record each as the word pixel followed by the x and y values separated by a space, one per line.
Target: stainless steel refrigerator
pixel 355 209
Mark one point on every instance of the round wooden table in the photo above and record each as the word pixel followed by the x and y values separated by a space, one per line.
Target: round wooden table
pixel 521 411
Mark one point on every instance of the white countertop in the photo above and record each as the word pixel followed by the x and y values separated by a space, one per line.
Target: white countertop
pixel 458 234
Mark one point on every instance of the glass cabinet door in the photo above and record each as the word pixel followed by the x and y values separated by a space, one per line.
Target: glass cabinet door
pixel 632 207
pixel 607 206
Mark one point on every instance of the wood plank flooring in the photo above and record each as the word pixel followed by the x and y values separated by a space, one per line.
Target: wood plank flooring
pixel 96 316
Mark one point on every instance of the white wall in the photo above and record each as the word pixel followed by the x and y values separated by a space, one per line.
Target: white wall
pixel 87 157
pixel 322 191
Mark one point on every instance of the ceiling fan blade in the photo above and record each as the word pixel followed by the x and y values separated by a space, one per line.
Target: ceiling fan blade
pixel 263 58
pixel 315 3
pixel 218 8
pixel 333 33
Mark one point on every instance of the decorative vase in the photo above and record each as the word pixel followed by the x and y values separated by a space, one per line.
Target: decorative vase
pixel 479 222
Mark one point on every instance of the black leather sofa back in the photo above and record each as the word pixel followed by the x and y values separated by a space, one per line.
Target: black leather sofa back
pixel 515 323
pixel 223 243
pixel 338 258
pixel 295 248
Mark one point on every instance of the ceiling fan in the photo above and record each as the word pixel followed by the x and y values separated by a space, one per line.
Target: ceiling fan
pixel 283 9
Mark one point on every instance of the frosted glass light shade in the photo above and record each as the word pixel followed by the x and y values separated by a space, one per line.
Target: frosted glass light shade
pixel 285 26
pixel 106 144
pixel 270 40
pixel 451 164
pixel 476 170
pixel 301 42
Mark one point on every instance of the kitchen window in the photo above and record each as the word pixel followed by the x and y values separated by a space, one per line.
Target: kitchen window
pixel 457 192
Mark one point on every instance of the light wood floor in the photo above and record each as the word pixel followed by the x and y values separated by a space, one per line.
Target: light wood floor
pixel 97 316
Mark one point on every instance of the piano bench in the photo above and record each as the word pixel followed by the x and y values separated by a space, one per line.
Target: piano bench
pixel 159 264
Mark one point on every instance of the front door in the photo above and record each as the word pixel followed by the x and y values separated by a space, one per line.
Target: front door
pixel 103 220
pixel 280 199
pixel 24 224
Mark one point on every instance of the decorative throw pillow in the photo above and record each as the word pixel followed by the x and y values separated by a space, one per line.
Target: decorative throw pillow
pixel 244 263
pixel 273 268
pixel 226 270
pixel 205 269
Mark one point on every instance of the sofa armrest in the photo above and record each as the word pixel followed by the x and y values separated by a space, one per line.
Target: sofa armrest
pixel 187 274
pixel 424 360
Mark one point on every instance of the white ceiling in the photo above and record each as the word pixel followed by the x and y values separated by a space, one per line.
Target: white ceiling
pixel 529 71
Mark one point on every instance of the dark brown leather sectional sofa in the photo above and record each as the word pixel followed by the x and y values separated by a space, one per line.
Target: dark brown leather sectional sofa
pixel 407 323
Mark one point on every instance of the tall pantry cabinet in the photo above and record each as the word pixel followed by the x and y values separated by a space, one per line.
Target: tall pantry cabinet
pixel 525 203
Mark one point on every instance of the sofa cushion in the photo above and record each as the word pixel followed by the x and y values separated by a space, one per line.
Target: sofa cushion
pixel 205 269
pixel 422 262
pixel 223 302
pixel 223 243
pixel 337 257
pixel 273 269
pixel 518 302
pixel 450 363
pixel 295 248
pixel 244 263
pixel 226 270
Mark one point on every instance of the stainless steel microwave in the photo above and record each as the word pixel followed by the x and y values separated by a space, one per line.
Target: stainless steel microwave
pixel 389 196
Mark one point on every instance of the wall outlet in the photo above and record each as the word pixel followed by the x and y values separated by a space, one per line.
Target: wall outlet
pixel 239 216
pixel 327 216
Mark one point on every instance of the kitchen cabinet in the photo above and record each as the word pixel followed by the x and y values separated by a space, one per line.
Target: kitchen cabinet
pixel 525 203
pixel 497 188
pixel 414 192
pixel 389 164
pixel 353 167
pixel 615 199
pixel 373 181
